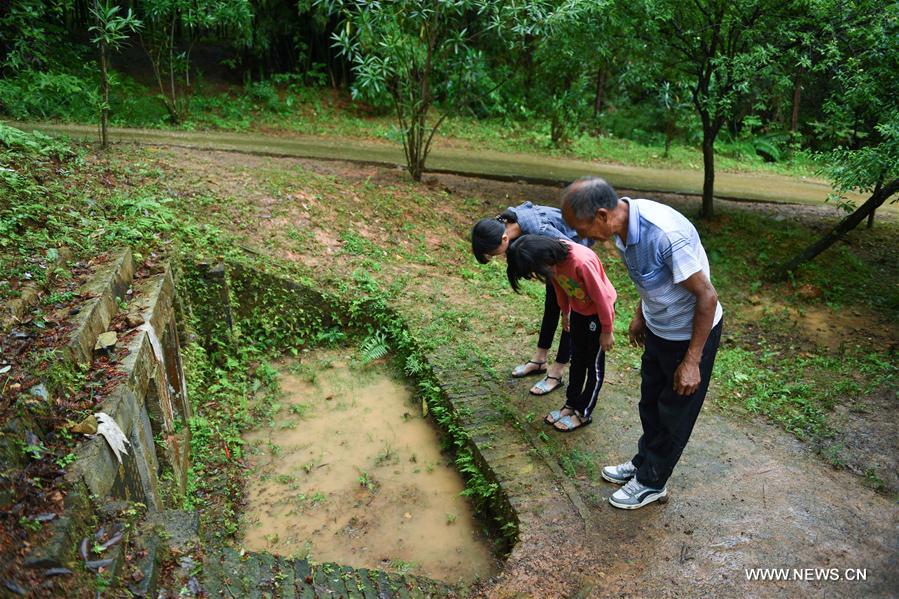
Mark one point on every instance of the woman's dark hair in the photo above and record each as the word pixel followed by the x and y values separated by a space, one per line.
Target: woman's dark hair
pixel 531 256
pixel 487 234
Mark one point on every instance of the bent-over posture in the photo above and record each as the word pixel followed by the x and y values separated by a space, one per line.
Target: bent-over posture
pixel 677 321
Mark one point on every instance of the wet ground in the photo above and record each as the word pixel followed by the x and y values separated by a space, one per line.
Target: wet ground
pixel 745 495
pixel 348 471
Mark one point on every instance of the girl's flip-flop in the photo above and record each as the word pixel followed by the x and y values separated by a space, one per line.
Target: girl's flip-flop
pixel 557 415
pixel 544 387
pixel 569 425
pixel 521 369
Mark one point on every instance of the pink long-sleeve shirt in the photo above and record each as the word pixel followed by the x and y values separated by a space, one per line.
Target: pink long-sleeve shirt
pixel 581 285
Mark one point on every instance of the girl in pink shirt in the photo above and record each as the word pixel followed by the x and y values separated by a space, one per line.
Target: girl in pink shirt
pixel 587 300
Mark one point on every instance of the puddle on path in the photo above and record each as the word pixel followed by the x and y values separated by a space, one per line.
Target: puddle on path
pixel 350 472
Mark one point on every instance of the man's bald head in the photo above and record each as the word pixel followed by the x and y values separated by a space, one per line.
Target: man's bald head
pixel 585 196
pixel 590 206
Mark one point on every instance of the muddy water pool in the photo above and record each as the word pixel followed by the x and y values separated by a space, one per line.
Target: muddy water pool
pixel 348 471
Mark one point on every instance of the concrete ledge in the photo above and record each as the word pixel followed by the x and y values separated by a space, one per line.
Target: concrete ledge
pixel 106 286
pixel 149 404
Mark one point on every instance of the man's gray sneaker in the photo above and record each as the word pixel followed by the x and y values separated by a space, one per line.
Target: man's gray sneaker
pixel 635 495
pixel 619 474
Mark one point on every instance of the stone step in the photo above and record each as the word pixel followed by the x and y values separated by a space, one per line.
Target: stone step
pixel 149 402
pixel 228 573
pixel 109 284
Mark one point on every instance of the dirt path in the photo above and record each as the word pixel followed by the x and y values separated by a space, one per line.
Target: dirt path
pixel 490 164
pixel 745 495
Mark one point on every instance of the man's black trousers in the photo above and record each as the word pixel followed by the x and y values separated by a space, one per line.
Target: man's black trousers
pixel 667 417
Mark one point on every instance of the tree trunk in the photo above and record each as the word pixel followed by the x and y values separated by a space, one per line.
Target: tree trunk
pixel 414 161
pixel 797 93
pixel 556 130
pixel 871 219
pixel 708 165
pixel 600 92
pixel 172 70
pixel 670 126
pixel 104 81
pixel 104 92
pixel 847 224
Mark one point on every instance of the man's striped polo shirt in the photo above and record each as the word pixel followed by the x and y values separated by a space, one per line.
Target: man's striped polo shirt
pixel 662 250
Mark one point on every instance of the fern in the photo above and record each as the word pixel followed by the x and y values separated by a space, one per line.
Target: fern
pixel 414 366
pixel 374 347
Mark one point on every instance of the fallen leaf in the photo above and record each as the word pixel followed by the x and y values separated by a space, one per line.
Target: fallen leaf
pixel 113 434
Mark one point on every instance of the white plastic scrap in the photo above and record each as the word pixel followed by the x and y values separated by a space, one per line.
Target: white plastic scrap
pixel 154 340
pixel 160 364
pixel 110 430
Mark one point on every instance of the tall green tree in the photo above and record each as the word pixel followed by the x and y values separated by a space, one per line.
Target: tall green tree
pixel 111 31
pixel 172 27
pixel 860 58
pixel 415 53
pixel 31 32
pixel 571 49
pixel 724 49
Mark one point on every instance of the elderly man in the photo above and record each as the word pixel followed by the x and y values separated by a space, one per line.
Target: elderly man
pixel 677 321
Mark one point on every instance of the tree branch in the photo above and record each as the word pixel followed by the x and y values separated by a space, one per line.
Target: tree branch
pixel 838 232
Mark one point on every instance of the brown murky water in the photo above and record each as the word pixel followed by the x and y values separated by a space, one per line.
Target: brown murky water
pixel 350 472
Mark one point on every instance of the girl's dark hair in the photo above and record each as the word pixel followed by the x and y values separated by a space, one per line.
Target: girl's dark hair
pixel 531 256
pixel 487 234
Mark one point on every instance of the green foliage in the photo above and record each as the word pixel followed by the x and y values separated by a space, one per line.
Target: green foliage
pixel 39 94
pixel 33 34
pixel 374 347
pixel 219 396
pixel 726 50
pixel 39 210
pixel 408 52
pixel 112 28
pixel 162 19
pixel 15 141
pixel 110 32
pixel 798 392
pixel 860 57
pixel 579 462
pixel 566 43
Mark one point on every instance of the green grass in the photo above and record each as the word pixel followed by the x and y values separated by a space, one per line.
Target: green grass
pixel 743 248
pixel 49 198
pixel 800 391
pixel 283 105
pixel 54 194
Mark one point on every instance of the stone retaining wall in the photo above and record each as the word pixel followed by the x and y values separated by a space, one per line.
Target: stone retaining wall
pixel 148 402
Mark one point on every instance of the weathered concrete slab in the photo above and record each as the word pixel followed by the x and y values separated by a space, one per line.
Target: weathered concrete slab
pixel 108 284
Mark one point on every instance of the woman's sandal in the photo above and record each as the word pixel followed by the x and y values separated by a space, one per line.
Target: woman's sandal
pixel 569 425
pixel 556 415
pixel 521 369
pixel 544 387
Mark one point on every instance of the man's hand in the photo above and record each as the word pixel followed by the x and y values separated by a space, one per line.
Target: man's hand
pixel 566 321
pixel 636 332
pixel 687 377
pixel 607 341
